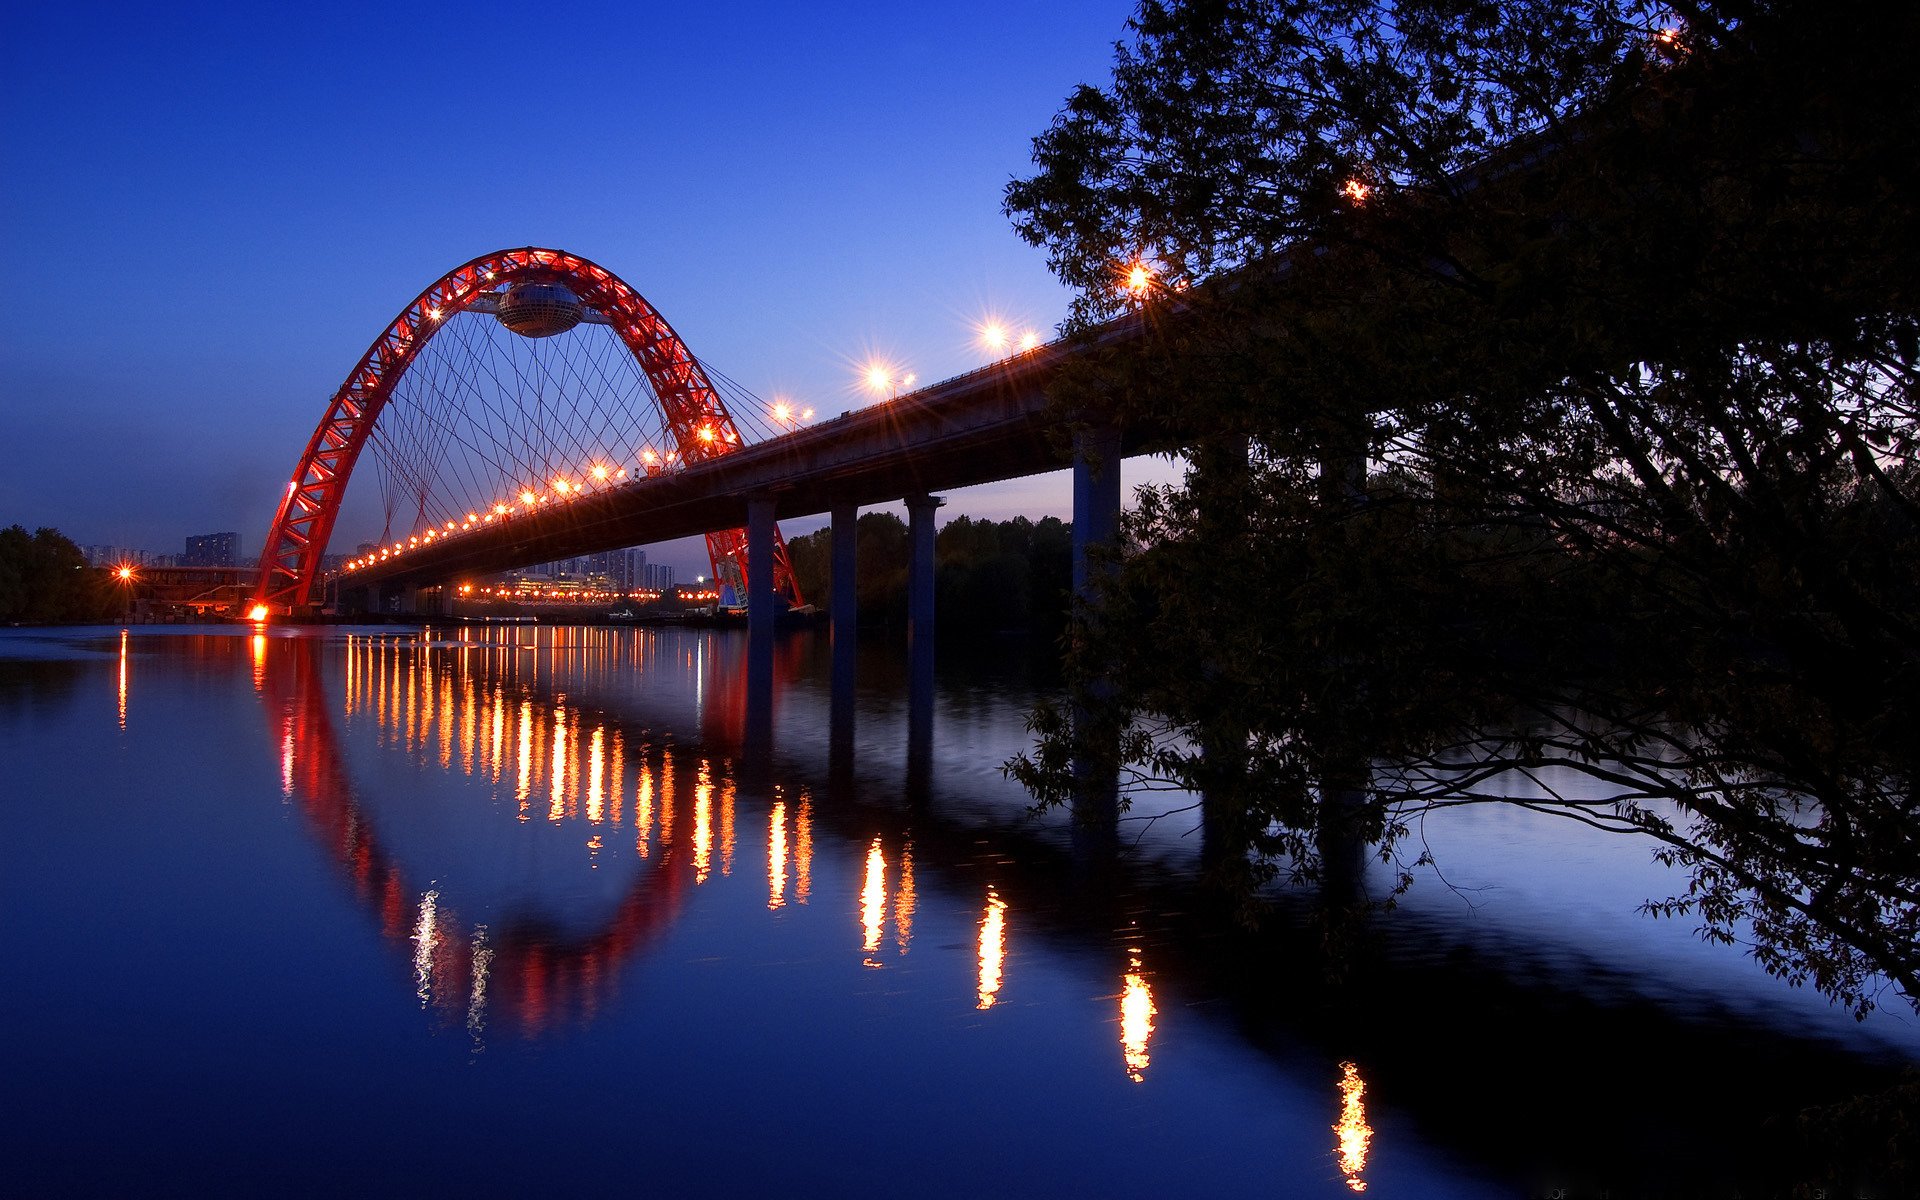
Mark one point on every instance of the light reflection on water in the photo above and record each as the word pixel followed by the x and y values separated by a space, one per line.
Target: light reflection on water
pixel 540 828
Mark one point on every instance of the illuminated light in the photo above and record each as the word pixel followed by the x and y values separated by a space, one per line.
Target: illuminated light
pixel 706 433
pixel 482 959
pixel 258 613
pixel 777 855
pixel 599 472
pixel 471 517
pixel 1029 341
pixel 123 679
pixel 426 937
pixel 562 486
pixel 433 314
pixel 806 414
pixel 1136 1020
pixel 499 510
pixel 994 336
pixel 782 411
pixel 596 776
pixel 1353 1131
pixel 803 851
pixel 1136 278
pixel 124 573
pixel 907 379
pixel 1356 190
pixel 702 829
pixel 449 524
pixel 903 901
pixel 527 497
pixel 620 474
pixel 648 456
pixel 993 949
pixel 879 378
pixel 557 794
pixel 873 901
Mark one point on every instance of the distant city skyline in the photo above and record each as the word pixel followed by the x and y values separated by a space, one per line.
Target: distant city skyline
pixel 238 200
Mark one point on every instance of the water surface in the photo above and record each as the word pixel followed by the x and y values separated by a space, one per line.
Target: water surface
pixel 392 911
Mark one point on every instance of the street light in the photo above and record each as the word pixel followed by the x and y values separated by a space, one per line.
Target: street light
pixel 881 377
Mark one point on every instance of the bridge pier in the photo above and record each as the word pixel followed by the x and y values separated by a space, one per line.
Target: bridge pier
pixel 1096 519
pixel 760 535
pixel 920 574
pixel 1096 499
pixel 846 641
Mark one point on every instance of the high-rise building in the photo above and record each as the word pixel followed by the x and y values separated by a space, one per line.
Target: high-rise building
pixel 212 550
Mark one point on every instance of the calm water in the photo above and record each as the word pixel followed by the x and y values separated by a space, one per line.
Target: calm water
pixel 386 912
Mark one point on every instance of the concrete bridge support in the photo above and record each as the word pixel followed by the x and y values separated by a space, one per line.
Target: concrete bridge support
pixel 760 628
pixel 920 591
pixel 1096 499
pixel 846 641
pixel 1096 519
pixel 760 600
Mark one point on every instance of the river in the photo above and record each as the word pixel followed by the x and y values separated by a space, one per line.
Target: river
pixel 394 911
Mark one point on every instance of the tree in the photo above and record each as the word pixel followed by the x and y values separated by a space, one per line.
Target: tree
pixel 44 578
pixel 1620 314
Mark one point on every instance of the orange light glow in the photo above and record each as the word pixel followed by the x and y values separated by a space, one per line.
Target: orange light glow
pixel 994 336
pixel 777 855
pixel 257 613
pixel 1135 278
pixel 706 433
pixel 124 573
pixel 1354 1133
pixel 1029 341
pixel 993 949
pixel 1356 191
pixel 1136 1020
pixel 599 472
pixel 873 901
pixel 526 497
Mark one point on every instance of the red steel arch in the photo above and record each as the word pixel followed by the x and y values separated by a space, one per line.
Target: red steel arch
pixel 297 539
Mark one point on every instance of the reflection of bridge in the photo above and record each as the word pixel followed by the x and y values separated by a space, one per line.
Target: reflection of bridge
pixel 473 713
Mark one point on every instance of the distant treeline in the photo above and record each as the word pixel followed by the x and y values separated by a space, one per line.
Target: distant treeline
pixel 44 578
pixel 989 575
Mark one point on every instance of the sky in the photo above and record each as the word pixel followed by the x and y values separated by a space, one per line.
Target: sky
pixel 213 210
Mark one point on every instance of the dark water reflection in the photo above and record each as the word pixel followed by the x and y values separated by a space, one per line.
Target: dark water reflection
pixel 537 911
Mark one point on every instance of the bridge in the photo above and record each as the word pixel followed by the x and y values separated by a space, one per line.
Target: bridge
pixel 602 476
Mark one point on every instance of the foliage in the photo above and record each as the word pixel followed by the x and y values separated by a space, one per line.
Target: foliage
pixel 44 578
pixel 1623 320
pixel 988 575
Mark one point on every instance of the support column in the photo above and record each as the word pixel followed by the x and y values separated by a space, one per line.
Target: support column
pixel 846 646
pixel 920 510
pixel 760 566
pixel 757 753
pixel 1096 519
pixel 1096 498
pixel 1346 805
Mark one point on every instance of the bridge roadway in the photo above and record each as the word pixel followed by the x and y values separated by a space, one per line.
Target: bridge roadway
pixel 988 425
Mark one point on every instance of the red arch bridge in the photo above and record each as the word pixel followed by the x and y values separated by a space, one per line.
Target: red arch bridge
pixel 530 406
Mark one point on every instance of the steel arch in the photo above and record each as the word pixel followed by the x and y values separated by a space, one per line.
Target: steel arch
pixel 297 539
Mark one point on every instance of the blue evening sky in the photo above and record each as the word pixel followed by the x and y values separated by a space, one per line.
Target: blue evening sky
pixel 213 209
